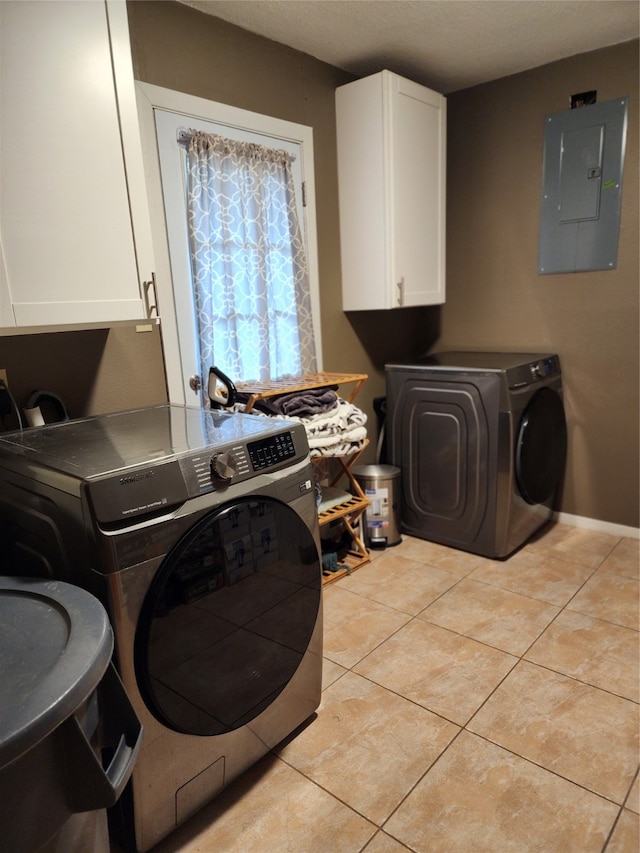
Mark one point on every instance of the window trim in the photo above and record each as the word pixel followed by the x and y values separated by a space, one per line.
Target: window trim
pixel 150 97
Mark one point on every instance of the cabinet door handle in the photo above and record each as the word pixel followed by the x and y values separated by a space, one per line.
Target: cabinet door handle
pixel 400 286
pixel 150 296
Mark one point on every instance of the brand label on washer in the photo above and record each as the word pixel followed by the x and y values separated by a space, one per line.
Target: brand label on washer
pixel 137 492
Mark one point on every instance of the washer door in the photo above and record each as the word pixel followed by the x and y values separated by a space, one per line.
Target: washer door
pixel 541 447
pixel 228 617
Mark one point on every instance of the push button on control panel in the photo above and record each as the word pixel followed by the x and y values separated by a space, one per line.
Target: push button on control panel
pixel 271 451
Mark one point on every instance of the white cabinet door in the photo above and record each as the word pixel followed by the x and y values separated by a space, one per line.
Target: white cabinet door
pixel 392 184
pixel 66 226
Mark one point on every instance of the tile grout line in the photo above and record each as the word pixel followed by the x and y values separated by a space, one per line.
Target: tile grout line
pixel 518 658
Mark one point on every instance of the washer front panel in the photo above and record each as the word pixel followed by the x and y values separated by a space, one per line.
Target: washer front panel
pixel 228 617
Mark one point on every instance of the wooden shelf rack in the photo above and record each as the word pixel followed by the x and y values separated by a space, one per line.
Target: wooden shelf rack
pixel 300 383
pixel 352 508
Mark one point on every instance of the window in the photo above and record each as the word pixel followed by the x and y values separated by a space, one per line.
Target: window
pixel 249 268
pixel 163 114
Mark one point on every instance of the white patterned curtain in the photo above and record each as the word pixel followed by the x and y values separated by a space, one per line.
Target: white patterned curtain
pixel 249 264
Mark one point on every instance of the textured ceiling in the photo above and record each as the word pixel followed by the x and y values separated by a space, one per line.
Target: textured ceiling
pixel 445 44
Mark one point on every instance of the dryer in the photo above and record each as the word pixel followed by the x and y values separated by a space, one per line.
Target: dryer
pixel 198 530
pixel 481 441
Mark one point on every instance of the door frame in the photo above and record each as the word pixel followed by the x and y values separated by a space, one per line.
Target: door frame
pixel 150 97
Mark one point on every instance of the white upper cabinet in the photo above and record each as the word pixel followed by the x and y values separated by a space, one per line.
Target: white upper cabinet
pixel 74 220
pixel 392 184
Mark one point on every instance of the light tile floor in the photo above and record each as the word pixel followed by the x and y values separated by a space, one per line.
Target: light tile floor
pixel 468 705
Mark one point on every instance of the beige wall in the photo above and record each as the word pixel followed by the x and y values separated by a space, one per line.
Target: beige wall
pixel 178 48
pixel 93 372
pixel 495 297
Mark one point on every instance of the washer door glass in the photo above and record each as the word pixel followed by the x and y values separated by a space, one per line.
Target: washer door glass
pixel 541 448
pixel 228 617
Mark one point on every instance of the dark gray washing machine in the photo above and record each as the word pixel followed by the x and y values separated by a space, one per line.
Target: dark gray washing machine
pixel 198 530
pixel 481 441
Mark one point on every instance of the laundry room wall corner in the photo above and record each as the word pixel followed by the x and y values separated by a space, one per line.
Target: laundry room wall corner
pixel 495 297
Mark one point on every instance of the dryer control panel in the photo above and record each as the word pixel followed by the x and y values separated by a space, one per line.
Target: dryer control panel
pixel 545 367
pixel 536 370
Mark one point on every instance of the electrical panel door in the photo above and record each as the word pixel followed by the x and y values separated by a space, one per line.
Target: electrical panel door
pixel 582 188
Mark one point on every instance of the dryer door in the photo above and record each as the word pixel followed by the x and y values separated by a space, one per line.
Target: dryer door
pixel 228 617
pixel 541 447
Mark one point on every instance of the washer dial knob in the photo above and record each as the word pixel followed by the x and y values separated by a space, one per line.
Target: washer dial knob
pixel 223 467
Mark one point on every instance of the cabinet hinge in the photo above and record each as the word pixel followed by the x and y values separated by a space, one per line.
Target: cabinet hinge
pixel 304 193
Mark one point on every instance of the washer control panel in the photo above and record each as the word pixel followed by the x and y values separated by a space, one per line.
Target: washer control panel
pixel 270 451
pixel 208 470
pixel 264 453
pixel 161 484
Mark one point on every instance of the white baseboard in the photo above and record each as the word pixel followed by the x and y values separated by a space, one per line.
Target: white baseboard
pixel 597 524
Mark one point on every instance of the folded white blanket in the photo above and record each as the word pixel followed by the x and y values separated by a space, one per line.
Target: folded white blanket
pixel 339 445
pixel 343 416
pixel 337 432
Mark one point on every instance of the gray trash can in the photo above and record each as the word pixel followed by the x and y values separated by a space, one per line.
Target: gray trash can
pixel 381 484
pixel 63 710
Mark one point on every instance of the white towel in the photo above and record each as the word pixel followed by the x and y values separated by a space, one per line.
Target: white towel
pixel 337 432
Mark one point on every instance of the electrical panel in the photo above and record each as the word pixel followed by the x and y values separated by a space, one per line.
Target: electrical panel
pixel 582 188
